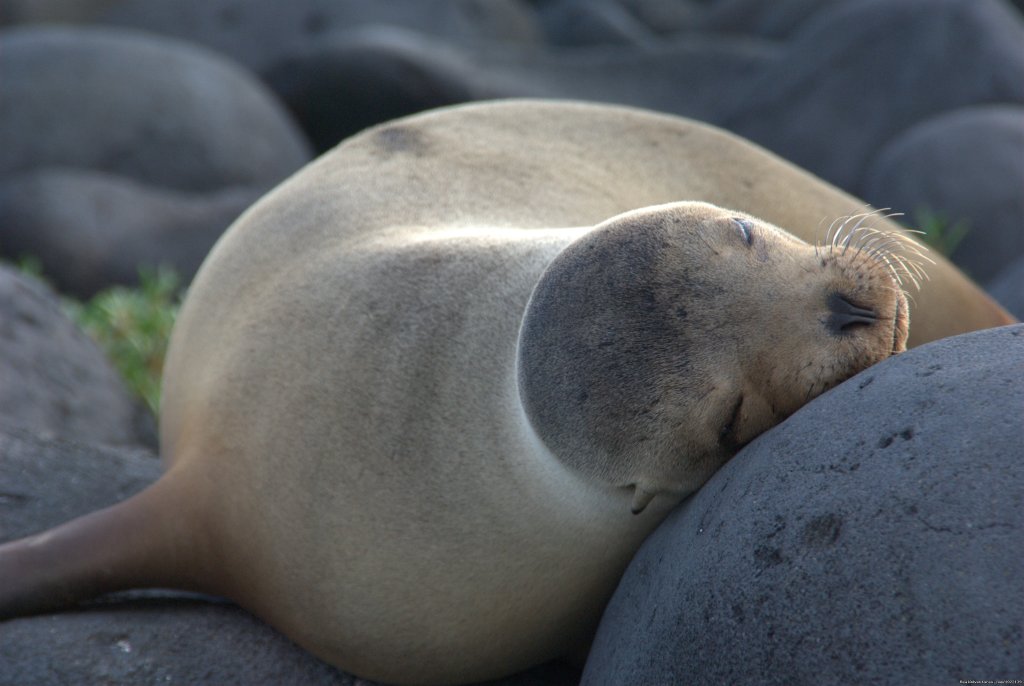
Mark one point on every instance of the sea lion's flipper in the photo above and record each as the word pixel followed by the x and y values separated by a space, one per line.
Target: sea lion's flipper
pixel 134 544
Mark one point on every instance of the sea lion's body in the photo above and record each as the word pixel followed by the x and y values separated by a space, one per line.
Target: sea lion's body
pixel 360 451
pixel 406 458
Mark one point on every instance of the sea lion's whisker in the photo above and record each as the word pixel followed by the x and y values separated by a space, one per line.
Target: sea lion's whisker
pixel 862 217
pixel 828 233
pixel 873 236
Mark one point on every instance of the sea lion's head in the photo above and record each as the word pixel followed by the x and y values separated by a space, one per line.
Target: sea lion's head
pixel 654 347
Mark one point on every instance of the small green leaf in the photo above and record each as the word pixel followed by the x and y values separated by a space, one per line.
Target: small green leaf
pixel 941 234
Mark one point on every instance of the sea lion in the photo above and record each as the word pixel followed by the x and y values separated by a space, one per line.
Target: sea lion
pixel 421 429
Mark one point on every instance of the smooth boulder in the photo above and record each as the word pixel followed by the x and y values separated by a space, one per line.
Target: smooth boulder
pixel 873 537
pixel 91 230
pixel 258 32
pixel 157 111
pixel 856 75
pixel 54 380
pixel 52 11
pixel 346 81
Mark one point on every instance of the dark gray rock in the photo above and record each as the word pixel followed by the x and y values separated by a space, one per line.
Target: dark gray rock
pixel 965 165
pixel 874 537
pixel 779 19
pixel 704 78
pixel 155 110
pixel 593 22
pixel 346 81
pixel 51 11
pixel 91 230
pixel 164 638
pixel 46 481
pixel 145 639
pixel 159 637
pixel 259 32
pixel 140 638
pixel 667 16
pixel 820 99
pixel 53 378
pixel 1008 288
pixel 857 75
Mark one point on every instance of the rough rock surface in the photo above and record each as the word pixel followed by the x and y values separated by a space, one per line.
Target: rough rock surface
pixel 873 537
pixel 90 230
pixel 53 378
pixel 155 110
pixel 45 481
pixel 979 155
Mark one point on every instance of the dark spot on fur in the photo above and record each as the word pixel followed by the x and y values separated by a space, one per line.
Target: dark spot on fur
pixel 885 442
pixel 822 531
pixel 907 434
pixel 398 139
pixel 866 382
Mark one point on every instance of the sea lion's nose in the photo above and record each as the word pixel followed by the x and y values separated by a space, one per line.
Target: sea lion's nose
pixel 846 315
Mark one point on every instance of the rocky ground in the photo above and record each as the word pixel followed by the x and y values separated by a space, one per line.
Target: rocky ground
pixel 132 132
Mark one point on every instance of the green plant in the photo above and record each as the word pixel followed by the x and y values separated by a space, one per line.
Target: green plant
pixel 941 234
pixel 31 266
pixel 133 326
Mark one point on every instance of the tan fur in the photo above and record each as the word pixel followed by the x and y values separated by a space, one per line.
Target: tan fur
pixel 392 431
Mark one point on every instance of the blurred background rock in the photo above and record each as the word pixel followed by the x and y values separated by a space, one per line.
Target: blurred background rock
pixel 185 111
